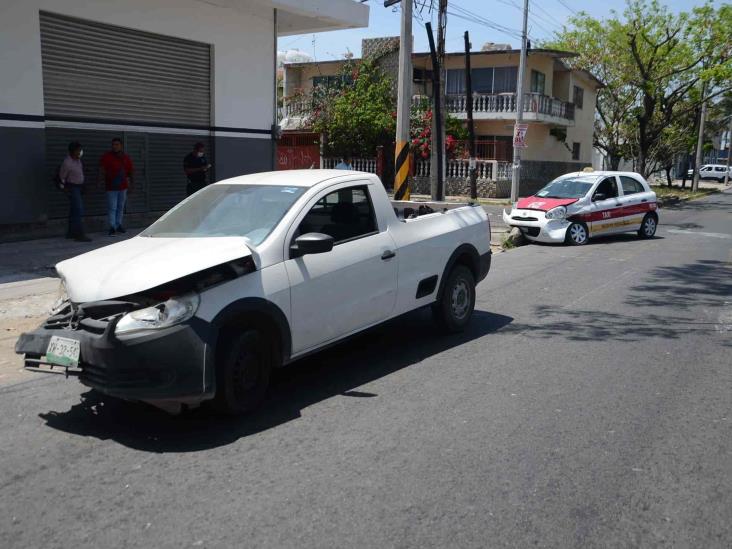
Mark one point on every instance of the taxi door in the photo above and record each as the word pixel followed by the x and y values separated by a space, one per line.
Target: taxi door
pixel 636 202
pixel 606 216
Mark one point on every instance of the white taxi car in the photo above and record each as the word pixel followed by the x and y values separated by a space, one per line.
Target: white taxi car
pixel 580 205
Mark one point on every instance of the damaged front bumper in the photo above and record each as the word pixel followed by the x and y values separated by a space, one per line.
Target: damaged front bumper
pixel 173 364
pixel 536 227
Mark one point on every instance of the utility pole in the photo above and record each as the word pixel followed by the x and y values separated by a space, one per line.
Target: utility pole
pixel 515 176
pixel 438 146
pixel 700 142
pixel 441 31
pixel 471 127
pixel 729 151
pixel 404 103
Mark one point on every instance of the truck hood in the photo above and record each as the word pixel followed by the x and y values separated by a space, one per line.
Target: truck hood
pixel 141 263
pixel 543 204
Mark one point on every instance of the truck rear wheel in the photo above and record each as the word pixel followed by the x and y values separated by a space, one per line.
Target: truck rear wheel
pixel 242 373
pixel 453 310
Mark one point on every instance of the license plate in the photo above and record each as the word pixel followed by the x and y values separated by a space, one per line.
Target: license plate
pixel 63 351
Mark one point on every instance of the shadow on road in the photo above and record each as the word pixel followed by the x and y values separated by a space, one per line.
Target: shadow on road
pixel 662 303
pixel 336 371
pixel 703 283
pixel 692 206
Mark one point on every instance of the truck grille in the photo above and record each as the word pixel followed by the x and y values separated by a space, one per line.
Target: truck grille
pixel 92 317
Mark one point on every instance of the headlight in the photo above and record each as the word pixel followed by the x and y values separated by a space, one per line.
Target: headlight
pixel 172 312
pixel 62 298
pixel 560 212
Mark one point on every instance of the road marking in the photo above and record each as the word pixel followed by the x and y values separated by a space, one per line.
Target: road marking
pixel 700 233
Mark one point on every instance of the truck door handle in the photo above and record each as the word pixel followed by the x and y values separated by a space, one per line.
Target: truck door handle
pixel 388 254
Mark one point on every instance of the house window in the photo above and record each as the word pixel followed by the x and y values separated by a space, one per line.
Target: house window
pixel 504 79
pixel 579 95
pixel 455 81
pixel 482 80
pixel 538 79
pixel 486 80
pixel 331 82
pixel 575 151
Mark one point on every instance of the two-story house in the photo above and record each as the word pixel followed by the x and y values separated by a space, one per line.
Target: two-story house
pixel 559 105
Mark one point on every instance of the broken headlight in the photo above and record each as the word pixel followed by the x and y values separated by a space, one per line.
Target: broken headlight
pixel 62 298
pixel 560 212
pixel 163 315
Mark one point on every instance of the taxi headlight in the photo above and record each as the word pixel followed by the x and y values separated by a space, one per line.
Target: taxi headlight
pixel 560 212
pixel 163 315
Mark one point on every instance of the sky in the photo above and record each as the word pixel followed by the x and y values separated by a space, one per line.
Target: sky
pixel 546 17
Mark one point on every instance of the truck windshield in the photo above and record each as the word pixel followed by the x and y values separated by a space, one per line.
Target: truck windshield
pixel 566 188
pixel 251 211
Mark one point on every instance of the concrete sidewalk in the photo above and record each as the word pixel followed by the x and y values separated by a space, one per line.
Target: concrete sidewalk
pixel 29 287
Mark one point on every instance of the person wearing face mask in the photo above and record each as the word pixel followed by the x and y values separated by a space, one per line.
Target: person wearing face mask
pixel 195 164
pixel 71 176
pixel 116 171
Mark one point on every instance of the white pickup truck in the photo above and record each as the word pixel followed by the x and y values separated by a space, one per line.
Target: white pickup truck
pixel 249 274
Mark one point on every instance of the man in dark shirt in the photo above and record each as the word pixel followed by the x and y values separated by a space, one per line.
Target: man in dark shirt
pixel 195 164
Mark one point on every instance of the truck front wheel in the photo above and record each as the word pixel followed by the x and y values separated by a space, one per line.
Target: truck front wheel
pixel 242 373
pixel 453 310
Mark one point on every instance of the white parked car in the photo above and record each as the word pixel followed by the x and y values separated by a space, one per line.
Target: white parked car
pixel 252 273
pixel 712 171
pixel 580 205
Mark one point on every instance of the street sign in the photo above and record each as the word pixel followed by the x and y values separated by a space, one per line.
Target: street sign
pixel 519 136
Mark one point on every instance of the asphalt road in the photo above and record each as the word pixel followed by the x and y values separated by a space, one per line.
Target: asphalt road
pixel 588 405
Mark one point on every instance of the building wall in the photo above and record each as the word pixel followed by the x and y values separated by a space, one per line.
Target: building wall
pixel 243 83
pixel 584 119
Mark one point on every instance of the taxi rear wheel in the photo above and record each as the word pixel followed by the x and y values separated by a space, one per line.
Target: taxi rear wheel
pixel 577 234
pixel 648 226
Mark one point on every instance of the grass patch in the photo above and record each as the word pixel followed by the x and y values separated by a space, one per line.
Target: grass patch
pixel 663 191
pixel 507 243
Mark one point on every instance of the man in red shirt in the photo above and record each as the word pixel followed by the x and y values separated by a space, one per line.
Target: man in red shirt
pixel 116 170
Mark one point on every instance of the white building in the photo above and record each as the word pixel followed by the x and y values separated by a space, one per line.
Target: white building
pixel 160 74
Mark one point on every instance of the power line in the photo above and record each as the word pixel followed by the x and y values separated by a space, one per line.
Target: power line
pixel 568 6
pixel 556 21
pixel 463 13
pixel 535 19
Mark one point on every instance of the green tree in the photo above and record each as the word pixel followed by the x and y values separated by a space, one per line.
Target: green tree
pixel 658 66
pixel 358 115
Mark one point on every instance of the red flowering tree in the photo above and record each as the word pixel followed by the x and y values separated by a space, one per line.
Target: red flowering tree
pixel 421 131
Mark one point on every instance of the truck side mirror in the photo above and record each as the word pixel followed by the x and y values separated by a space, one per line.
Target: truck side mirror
pixel 311 243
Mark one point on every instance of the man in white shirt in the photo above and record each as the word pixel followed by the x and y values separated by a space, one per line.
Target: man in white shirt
pixel 71 176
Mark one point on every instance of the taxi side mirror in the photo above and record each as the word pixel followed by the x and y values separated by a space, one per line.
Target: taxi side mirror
pixel 598 196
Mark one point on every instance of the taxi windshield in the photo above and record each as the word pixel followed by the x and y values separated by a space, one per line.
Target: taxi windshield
pixel 566 188
pixel 251 211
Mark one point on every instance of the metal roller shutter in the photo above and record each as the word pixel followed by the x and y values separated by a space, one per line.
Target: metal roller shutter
pixel 94 72
pixel 99 71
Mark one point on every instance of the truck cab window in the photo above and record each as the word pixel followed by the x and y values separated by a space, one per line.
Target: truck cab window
pixel 344 214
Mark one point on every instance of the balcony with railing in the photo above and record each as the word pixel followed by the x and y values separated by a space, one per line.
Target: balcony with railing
pixel 502 106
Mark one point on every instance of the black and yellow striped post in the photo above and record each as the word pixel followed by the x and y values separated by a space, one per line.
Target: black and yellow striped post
pixel 401 171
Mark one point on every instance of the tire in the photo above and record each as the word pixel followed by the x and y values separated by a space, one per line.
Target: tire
pixel 242 373
pixel 455 307
pixel 577 234
pixel 648 226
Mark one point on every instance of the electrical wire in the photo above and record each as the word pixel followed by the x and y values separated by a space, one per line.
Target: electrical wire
pixel 567 6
